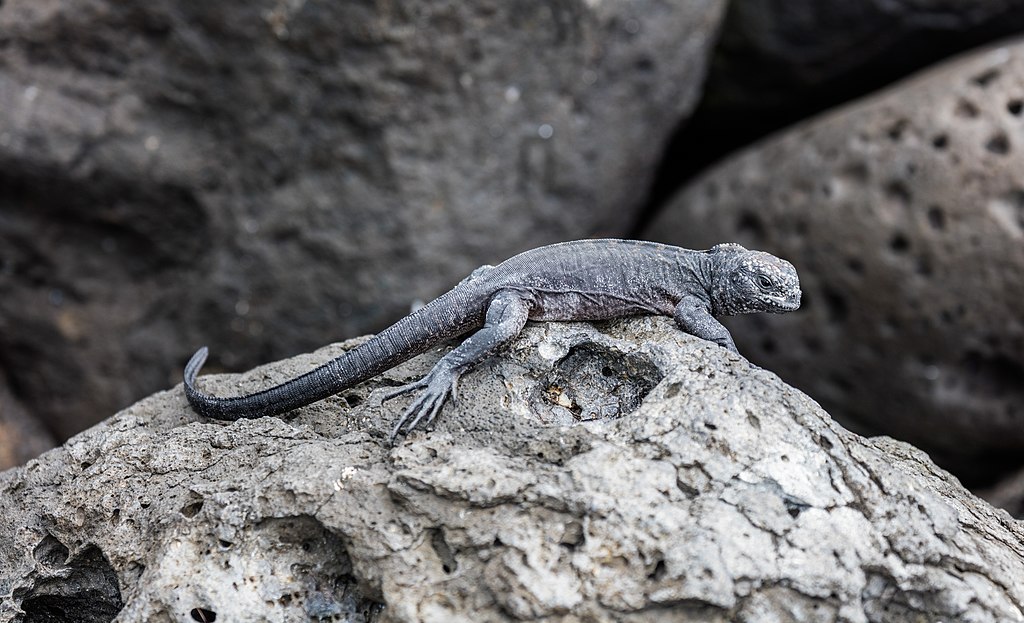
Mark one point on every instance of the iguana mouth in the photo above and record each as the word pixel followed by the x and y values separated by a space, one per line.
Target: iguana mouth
pixel 785 304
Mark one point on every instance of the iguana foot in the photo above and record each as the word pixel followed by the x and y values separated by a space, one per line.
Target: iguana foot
pixel 436 387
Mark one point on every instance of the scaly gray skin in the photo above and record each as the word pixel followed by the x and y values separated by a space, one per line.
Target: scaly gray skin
pixel 580 280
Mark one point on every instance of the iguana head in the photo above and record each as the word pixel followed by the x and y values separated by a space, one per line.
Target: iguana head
pixel 746 281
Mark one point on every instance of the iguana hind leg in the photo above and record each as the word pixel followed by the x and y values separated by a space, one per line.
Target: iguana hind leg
pixel 506 316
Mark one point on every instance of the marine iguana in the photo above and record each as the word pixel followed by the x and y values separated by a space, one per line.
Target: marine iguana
pixel 578 280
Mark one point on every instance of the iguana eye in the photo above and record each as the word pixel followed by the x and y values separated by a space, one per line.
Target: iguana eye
pixel 764 282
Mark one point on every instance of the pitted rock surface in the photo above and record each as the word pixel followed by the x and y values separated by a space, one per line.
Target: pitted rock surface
pixel 274 175
pixel 723 495
pixel 904 214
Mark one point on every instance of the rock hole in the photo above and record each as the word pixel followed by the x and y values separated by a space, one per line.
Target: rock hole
pixel 750 224
pixel 986 77
pixel 896 130
pixel 898 192
pixel 659 571
pixel 998 144
pixel 203 615
pixel 672 390
pixel 936 218
pixel 50 552
pixel 754 421
pixel 688 490
pixel 710 426
pixel 191 510
pixel 84 590
pixel 836 305
pixel 940 141
pixel 599 383
pixel 353 400
pixel 794 507
pixel 443 551
pixel 899 243
pixel 572 535
pixel 224 543
pixel 965 109
pixel 1015 106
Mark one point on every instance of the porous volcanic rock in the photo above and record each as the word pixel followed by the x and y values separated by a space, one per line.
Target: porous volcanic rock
pixel 625 472
pixel 904 214
pixel 275 175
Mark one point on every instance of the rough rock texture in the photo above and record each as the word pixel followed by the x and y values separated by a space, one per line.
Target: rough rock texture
pixel 780 61
pixel 274 175
pixel 904 214
pixel 693 487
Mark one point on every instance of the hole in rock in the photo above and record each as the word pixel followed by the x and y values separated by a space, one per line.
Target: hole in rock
pixel 84 590
pixel 899 243
pixel 998 144
pixel 191 510
pixel 966 109
pixel 986 77
pixel 658 572
pixel 353 400
pixel 50 552
pixel 940 142
pixel 444 552
pixel 895 131
pixel 1015 106
pixel 594 382
pixel 898 192
pixel 203 615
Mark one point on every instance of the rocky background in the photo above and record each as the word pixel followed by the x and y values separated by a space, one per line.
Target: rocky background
pixel 269 177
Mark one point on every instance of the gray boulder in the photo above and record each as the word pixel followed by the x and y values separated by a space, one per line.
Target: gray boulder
pixel 904 214
pixel 624 472
pixel 270 176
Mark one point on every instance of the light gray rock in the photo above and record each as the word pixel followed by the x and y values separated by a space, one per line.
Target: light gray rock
pixel 904 214
pixel 706 490
pixel 274 175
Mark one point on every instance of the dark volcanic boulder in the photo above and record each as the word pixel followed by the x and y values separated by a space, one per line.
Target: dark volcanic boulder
pixel 904 214
pixel 626 472
pixel 270 176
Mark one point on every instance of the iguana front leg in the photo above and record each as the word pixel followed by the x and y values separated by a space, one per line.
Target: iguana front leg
pixel 506 317
pixel 693 316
